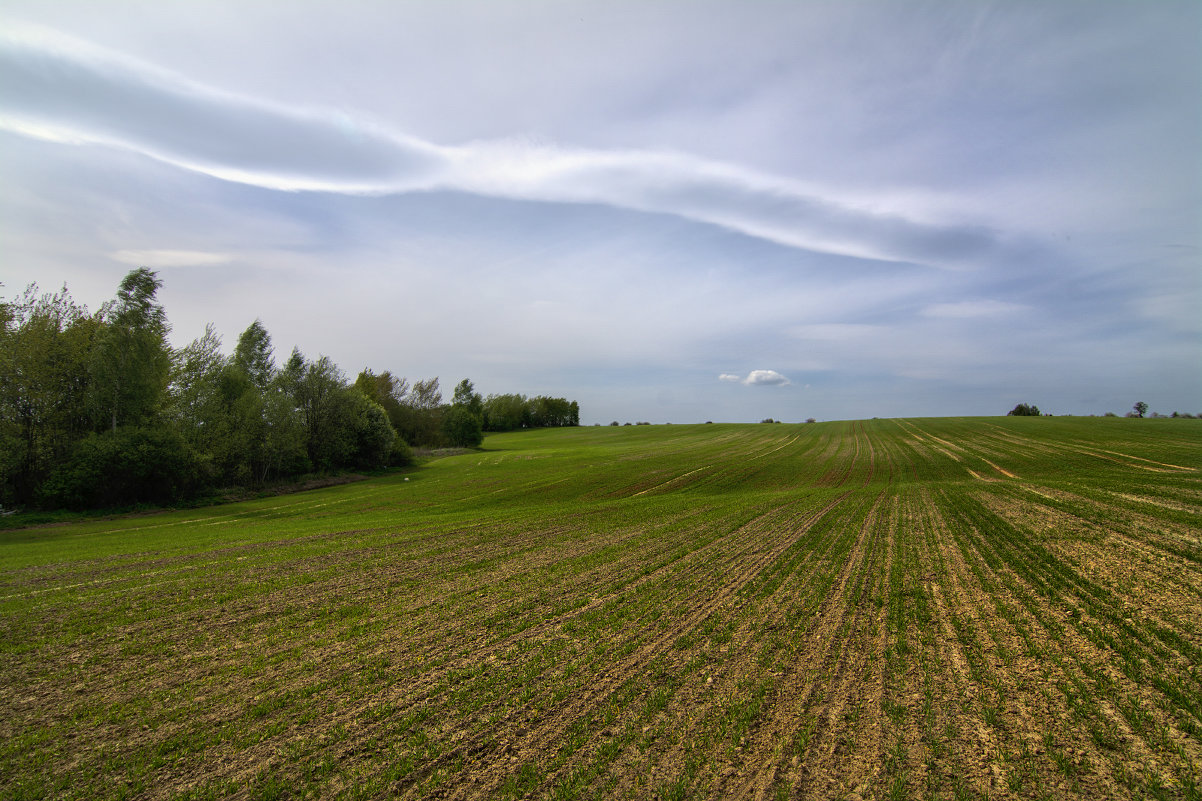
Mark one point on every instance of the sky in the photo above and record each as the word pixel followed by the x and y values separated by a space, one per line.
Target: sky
pixel 667 211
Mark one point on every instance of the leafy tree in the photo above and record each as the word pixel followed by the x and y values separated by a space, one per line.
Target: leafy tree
pixel 466 397
pixel 1023 410
pixel 422 414
pixel 462 428
pixel 131 360
pixel 194 388
pixel 390 393
pixel 46 342
pixel 316 388
pixel 284 450
pixel 425 395
pixel 373 433
pixel 1140 409
pixel 506 412
pixel 254 355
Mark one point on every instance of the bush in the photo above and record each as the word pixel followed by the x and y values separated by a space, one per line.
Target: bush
pixel 373 434
pixel 134 465
pixel 401 454
pixel 1023 410
pixel 462 428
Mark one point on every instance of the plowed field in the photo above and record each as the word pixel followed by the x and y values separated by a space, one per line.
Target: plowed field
pixel 1003 608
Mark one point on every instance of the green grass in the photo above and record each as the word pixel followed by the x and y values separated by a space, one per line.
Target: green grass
pixel 955 608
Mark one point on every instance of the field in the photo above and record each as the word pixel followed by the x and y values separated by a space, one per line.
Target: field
pixel 959 608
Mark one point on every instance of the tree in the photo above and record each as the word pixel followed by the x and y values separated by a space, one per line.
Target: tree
pixel 132 360
pixel 373 433
pixel 317 389
pixel 1023 410
pixel 462 428
pixel 422 411
pixel 46 343
pixel 254 355
pixel 466 397
pixel 1140 409
pixel 506 412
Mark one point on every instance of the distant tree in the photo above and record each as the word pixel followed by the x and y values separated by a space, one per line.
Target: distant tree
pixel 318 390
pixel 461 428
pixel 46 343
pixel 373 434
pixel 425 395
pixel 390 392
pixel 423 406
pixel 506 413
pixel 466 397
pixel 1023 410
pixel 253 355
pixel 132 359
pixel 1140 409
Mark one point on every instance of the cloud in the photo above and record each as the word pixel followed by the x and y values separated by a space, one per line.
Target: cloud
pixel 65 90
pixel 972 309
pixel 757 378
pixel 168 258
pixel 837 332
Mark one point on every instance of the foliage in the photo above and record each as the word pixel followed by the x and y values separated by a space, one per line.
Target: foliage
pixel 1023 410
pixel 131 361
pixel 91 405
pixel 467 398
pixel 1140 409
pixel 45 347
pixel 511 412
pixel 129 466
pixel 373 434
pixel 253 355
pixel 461 428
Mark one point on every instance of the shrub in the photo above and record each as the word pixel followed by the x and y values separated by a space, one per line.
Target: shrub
pixel 133 465
pixel 462 428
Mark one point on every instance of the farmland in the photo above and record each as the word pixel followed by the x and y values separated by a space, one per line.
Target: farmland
pixel 952 608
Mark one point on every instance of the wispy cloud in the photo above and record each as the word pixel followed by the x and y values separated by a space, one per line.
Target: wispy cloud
pixel 757 378
pixel 169 258
pixel 62 89
pixel 972 309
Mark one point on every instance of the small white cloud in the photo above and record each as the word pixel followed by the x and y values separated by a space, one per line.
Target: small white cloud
pixel 757 378
pixel 169 258
pixel 769 378
pixel 972 309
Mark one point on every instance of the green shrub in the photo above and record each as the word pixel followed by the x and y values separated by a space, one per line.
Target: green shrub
pixel 133 465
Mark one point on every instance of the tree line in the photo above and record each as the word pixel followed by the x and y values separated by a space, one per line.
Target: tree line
pixel 99 411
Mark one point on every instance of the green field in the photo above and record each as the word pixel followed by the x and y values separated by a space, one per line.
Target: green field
pixel 951 608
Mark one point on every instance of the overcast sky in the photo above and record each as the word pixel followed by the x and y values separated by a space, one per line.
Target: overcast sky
pixel 668 211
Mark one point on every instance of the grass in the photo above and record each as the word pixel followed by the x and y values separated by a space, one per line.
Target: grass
pixel 953 608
